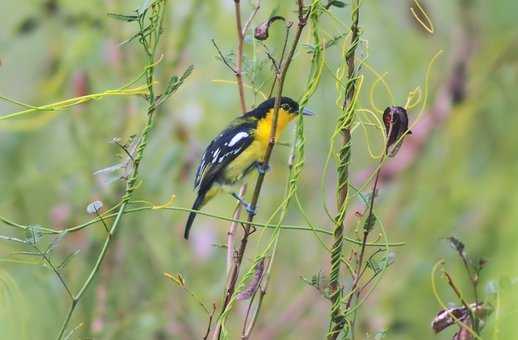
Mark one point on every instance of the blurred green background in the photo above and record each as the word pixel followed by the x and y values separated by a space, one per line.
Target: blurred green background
pixel 460 181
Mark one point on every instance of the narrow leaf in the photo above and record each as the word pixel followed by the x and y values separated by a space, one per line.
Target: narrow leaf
pixel 339 4
pixel 122 17
pixel 67 259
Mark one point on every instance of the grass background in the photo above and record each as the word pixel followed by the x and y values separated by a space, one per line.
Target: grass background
pixel 462 183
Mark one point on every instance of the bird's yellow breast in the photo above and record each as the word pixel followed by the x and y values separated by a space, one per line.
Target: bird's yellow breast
pixel 264 126
pixel 256 150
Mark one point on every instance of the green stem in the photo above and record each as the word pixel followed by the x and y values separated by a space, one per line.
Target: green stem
pixel 223 218
pixel 337 323
pixel 150 47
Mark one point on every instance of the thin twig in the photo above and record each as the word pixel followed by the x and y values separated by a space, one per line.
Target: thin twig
pixel 251 17
pixel 457 292
pixel 366 231
pixel 102 221
pixel 223 58
pixel 56 271
pixel 232 230
pixel 276 67
pixel 278 70
pixel 239 61
pixel 211 316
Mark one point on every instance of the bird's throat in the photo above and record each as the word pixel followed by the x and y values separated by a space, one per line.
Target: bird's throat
pixel 264 125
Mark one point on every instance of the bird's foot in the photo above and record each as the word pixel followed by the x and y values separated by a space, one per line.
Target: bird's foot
pixel 262 168
pixel 251 210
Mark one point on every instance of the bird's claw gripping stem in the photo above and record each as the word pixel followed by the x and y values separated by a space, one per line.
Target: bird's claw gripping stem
pixel 251 210
pixel 262 168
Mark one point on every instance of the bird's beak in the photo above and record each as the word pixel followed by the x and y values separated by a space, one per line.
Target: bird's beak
pixel 307 112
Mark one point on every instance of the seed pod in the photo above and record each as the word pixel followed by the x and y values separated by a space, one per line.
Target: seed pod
pixel 395 119
pixel 261 31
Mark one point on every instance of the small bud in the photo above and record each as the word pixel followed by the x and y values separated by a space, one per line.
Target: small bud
pixel 261 31
pixel 395 119
pixel 456 244
pixel 94 208
pixel 80 83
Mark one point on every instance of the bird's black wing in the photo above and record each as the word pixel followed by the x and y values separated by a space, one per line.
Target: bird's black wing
pixel 221 151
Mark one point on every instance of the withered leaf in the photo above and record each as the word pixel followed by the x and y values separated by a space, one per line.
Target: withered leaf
pixel 444 319
pixel 254 283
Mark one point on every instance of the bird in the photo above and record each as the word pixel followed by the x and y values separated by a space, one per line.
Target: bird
pixel 237 150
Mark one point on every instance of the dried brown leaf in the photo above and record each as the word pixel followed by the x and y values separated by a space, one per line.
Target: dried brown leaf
pixel 254 283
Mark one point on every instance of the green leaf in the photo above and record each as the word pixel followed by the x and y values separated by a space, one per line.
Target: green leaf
pixel 370 221
pixel 122 17
pixel 378 262
pixel 33 234
pixel 173 85
pixel 339 4
pixel 175 82
pixel 335 39
pixel 67 259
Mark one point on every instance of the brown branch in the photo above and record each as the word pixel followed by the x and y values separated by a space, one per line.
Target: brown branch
pixel 232 230
pixel 457 292
pixel 455 289
pixel 248 228
pixel 211 316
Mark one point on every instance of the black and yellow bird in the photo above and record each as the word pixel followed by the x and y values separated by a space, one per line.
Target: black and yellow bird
pixel 237 150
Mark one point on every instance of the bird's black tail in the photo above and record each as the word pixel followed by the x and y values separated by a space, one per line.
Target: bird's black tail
pixel 196 206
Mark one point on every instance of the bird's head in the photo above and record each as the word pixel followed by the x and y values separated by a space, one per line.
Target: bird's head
pixel 288 109
pixel 264 114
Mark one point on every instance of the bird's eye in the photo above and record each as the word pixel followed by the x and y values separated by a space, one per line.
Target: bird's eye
pixel 285 107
